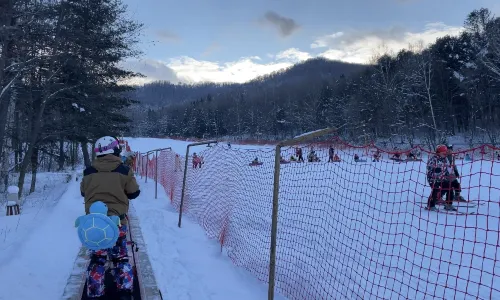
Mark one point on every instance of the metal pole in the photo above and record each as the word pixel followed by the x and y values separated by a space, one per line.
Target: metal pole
pixel 142 166
pixel 156 174
pixel 136 161
pixel 185 175
pixel 183 185
pixel 147 164
pixel 274 224
pixel 160 149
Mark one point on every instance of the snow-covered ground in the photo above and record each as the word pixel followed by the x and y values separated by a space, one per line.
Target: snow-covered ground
pixel 346 230
pixel 186 263
pixel 39 246
pixel 36 206
pixel 146 144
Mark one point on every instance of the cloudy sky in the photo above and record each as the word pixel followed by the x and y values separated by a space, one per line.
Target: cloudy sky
pixel 236 40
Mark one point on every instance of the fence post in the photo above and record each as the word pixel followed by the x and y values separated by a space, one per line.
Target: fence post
pixel 185 175
pixel 274 223
pixel 141 169
pixel 147 164
pixel 136 161
pixel 156 174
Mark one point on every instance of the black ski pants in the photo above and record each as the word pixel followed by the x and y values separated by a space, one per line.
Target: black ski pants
pixel 438 190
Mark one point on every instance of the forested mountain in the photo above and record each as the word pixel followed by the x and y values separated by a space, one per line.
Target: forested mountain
pixel 59 80
pixel 159 98
pixel 450 87
pixel 164 93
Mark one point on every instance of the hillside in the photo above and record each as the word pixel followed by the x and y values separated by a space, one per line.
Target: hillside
pixel 163 106
pixel 163 93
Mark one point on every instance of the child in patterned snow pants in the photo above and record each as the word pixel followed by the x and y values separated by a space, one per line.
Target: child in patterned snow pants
pixel 122 271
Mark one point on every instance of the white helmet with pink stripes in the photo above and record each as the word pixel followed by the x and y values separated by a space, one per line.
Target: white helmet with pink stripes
pixel 107 145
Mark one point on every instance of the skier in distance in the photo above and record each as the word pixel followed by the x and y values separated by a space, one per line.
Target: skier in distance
pixel 438 176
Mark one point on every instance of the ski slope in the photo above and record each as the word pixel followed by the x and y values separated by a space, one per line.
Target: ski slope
pixel 375 240
pixel 38 247
pixel 357 224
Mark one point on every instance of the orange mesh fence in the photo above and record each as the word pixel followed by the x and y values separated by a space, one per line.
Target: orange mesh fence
pixel 352 222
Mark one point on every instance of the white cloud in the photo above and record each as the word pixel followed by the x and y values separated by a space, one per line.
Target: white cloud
pixel 349 46
pixel 245 69
pixel 361 46
pixel 293 55
pixel 325 40
pixel 154 70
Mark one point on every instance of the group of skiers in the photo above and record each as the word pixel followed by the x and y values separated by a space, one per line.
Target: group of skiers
pixel 442 172
pixel 311 156
pixel 332 156
pixel 413 155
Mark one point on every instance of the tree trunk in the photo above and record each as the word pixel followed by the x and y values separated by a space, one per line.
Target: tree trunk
pixel 34 169
pixel 16 139
pixel 51 158
pixel 32 143
pixel 74 155
pixel 61 158
pixel 6 182
pixel 6 78
pixel 4 171
pixel 76 149
pixel 85 151
pixel 37 119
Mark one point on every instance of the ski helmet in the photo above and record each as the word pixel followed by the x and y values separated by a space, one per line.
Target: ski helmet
pixel 107 145
pixel 441 149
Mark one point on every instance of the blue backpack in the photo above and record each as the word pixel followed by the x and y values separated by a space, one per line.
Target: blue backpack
pixel 96 230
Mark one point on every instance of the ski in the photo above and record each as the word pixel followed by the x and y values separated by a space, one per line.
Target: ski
pixel 451 212
pixel 459 204
pixel 475 202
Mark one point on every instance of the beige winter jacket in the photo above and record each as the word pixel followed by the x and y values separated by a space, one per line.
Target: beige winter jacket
pixel 109 181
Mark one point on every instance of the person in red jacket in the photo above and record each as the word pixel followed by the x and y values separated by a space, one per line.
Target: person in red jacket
pixel 196 161
pixel 298 153
pixel 438 176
